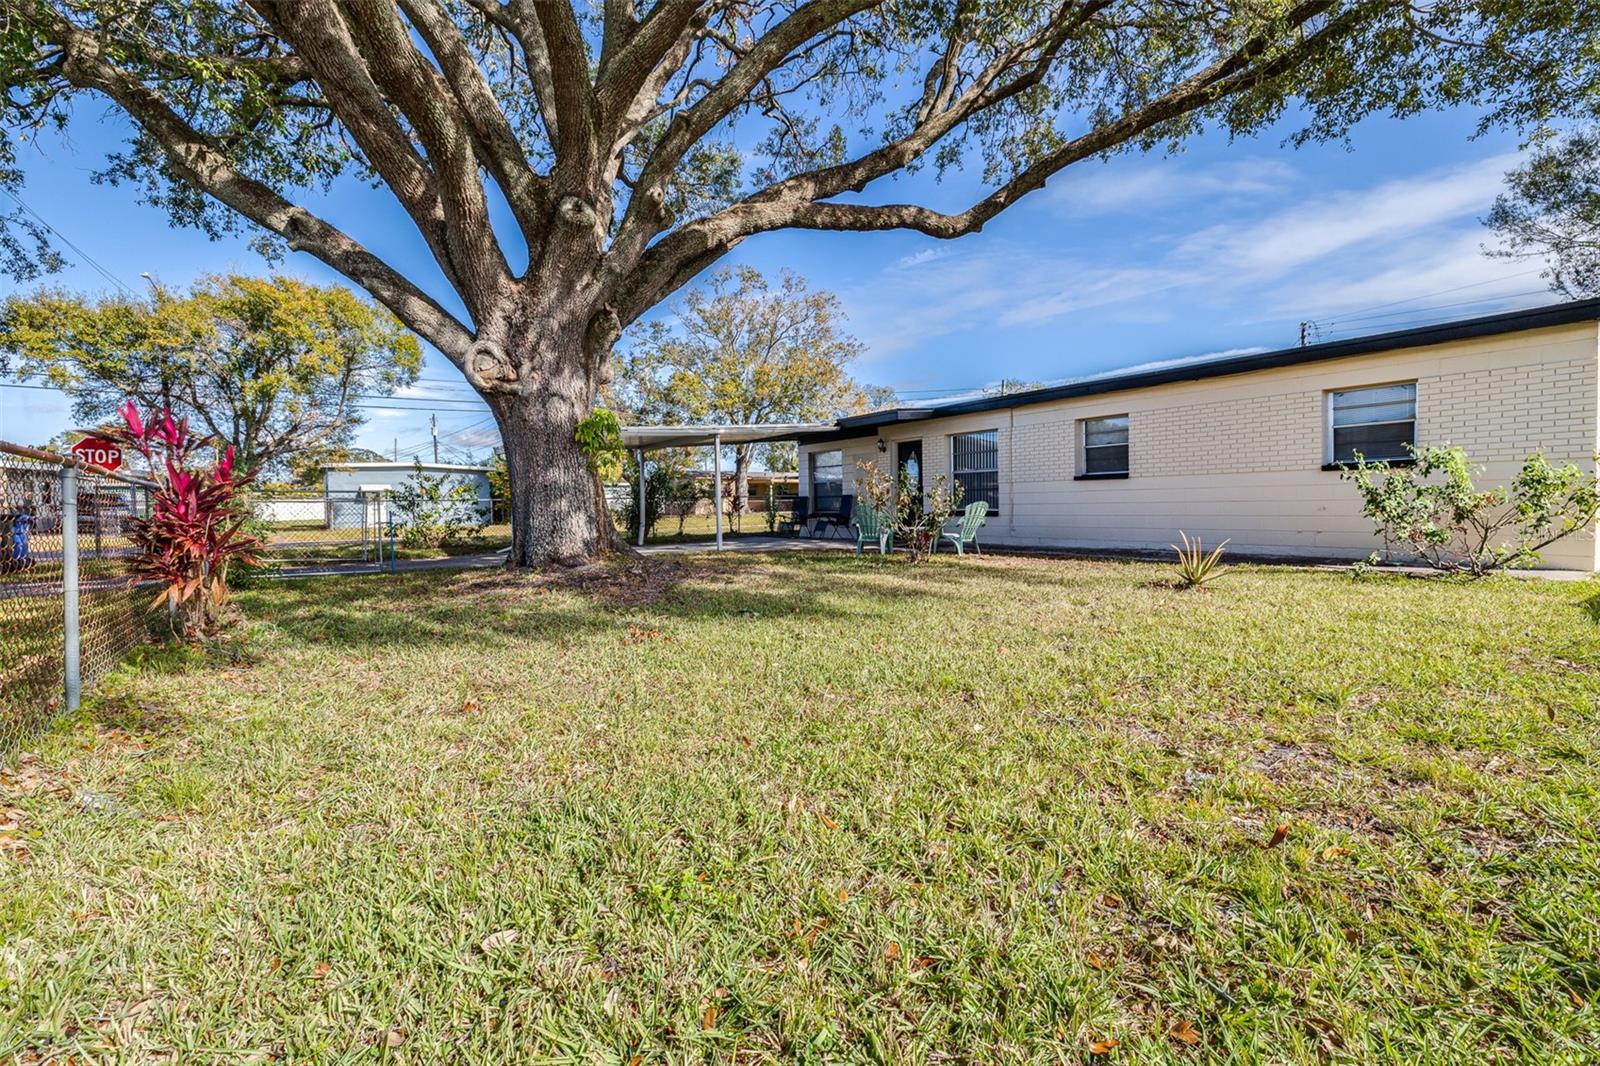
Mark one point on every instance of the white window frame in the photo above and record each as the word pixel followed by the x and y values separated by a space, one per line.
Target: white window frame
pixel 1328 460
pixel 811 471
pixel 1084 446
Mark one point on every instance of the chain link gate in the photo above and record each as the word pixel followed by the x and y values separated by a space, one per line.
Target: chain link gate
pixel 67 611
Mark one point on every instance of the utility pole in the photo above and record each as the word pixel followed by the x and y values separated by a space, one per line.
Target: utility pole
pixel 397 449
pixel 433 420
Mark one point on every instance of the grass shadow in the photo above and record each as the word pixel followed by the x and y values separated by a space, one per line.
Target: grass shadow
pixel 1591 607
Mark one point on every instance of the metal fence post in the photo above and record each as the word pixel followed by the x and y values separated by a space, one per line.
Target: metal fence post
pixel 72 650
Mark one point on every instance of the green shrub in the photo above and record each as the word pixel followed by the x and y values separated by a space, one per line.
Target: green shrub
pixel 435 510
pixel 1432 511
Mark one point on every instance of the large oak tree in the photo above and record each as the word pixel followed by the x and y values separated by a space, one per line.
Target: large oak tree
pixel 610 132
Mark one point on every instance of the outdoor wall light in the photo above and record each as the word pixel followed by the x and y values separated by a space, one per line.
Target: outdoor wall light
pixel 883 446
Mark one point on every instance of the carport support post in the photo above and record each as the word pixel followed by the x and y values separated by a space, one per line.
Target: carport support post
pixel 71 648
pixel 716 480
pixel 638 457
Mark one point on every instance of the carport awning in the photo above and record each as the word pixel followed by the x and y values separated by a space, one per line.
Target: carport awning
pixel 651 437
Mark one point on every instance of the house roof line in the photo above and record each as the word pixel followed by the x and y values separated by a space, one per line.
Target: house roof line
pixel 460 467
pixel 1542 317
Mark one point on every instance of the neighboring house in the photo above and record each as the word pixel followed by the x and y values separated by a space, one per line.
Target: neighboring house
pixel 782 485
pixel 357 493
pixel 1245 448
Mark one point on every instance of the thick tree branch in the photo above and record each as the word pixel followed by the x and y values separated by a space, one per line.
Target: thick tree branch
pixel 796 201
pixel 576 146
pixel 496 142
pixel 194 158
pixel 650 55
pixel 413 85
pixel 644 218
pixel 319 36
pixel 516 19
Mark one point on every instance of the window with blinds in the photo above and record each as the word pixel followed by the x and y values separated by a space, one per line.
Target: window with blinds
pixel 975 465
pixel 1105 446
pixel 1378 423
pixel 827 480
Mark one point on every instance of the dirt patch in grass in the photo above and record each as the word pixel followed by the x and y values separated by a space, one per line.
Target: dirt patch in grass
pixel 619 582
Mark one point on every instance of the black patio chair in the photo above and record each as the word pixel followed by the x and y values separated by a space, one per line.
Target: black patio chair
pixel 799 515
pixel 837 520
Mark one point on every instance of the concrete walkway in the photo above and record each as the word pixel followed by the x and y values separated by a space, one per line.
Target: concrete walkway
pixel 750 544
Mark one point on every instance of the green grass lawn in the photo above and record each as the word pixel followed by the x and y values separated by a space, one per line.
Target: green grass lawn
pixel 821 808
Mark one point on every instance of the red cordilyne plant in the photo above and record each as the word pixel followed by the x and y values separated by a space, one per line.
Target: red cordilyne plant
pixel 194 529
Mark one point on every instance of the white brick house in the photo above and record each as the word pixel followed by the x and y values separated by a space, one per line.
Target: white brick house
pixel 1243 447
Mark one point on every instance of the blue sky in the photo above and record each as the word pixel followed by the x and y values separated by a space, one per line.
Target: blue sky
pixel 1227 246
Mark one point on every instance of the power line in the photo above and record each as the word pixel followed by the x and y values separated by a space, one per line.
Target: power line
pixel 1404 312
pixel 429 402
pixel 68 242
pixel 1442 292
pixel 1419 316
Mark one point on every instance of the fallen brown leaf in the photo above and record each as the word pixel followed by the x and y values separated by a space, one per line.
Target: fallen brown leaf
pixel 709 1019
pixel 891 951
pixel 1279 835
pixel 1183 1032
pixel 1097 960
pixel 498 939
pixel 1103 1047
pixel 321 970
pixel 829 822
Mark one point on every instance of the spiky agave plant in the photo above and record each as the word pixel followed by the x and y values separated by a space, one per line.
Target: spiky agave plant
pixel 1195 566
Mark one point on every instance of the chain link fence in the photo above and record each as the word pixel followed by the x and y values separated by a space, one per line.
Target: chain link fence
pixel 67 611
pixel 362 529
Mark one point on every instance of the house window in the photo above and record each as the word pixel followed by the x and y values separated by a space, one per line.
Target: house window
pixel 975 462
pixel 1377 423
pixel 1105 446
pixel 827 480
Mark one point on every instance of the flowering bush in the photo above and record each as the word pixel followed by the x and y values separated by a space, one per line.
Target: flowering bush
pixel 194 529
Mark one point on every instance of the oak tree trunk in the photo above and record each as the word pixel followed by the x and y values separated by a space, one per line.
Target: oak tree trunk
pixel 558 515
pixel 741 478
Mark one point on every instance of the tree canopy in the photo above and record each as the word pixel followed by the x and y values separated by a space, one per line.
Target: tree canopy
pixel 1551 210
pixel 634 144
pixel 271 366
pixel 742 350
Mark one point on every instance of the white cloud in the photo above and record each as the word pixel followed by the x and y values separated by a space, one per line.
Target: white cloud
pixel 1411 242
pixel 1003 285
pixel 1309 231
pixel 476 438
pixel 915 259
pixel 1114 189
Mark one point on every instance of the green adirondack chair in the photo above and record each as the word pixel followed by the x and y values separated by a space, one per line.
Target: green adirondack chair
pixel 972 519
pixel 870 529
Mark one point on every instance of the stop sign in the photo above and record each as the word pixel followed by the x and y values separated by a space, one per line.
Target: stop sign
pixel 99 451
